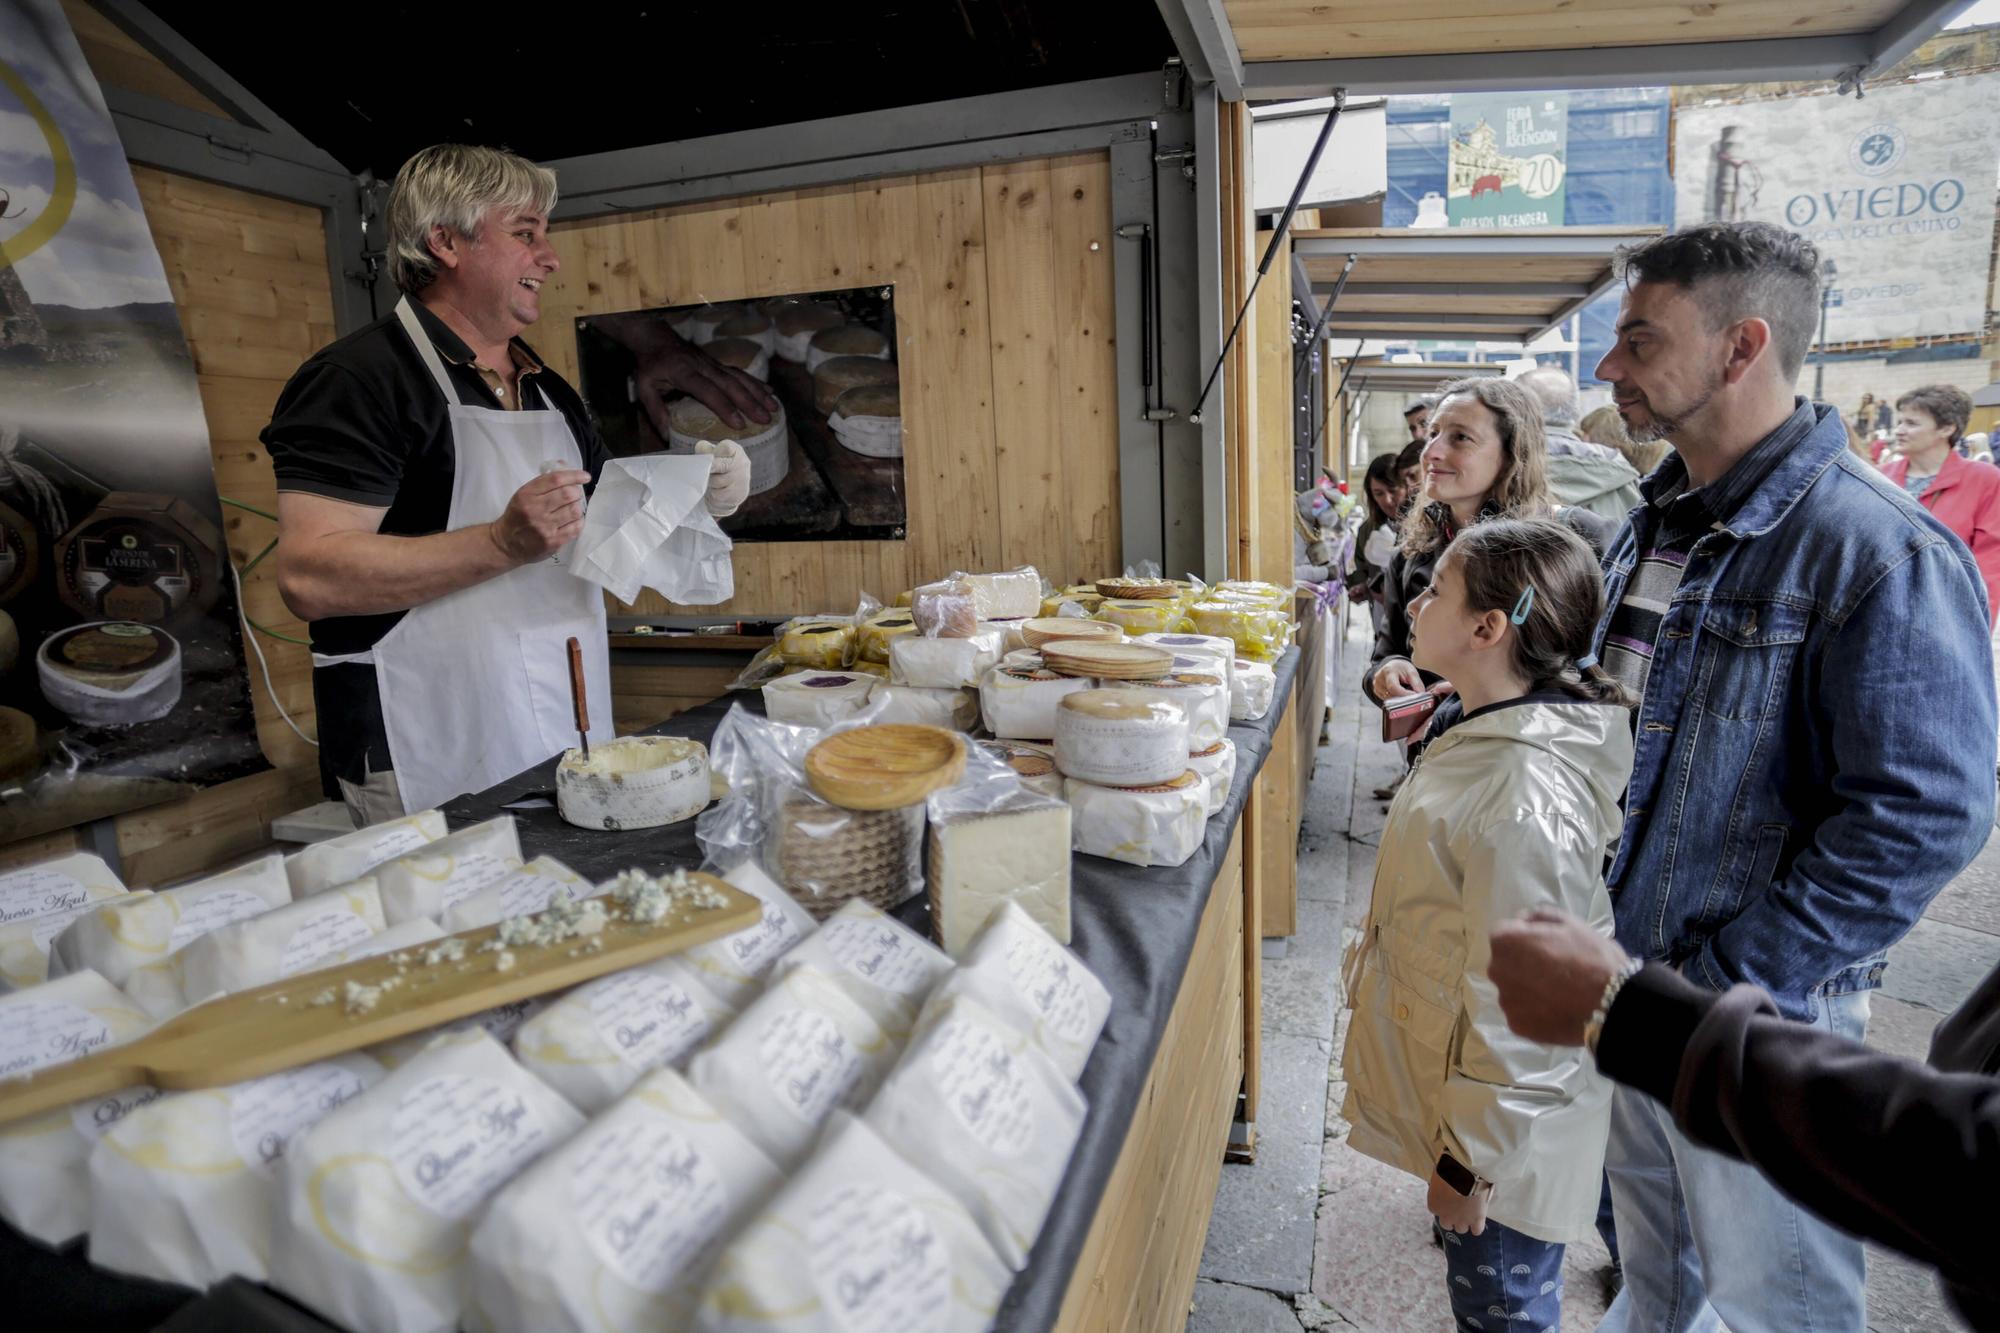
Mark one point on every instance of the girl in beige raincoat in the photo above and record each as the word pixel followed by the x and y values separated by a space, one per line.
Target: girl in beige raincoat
pixel 1511 809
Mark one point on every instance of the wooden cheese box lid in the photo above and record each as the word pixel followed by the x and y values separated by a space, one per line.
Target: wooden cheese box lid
pixel 885 767
pixel 1107 661
pixel 1049 629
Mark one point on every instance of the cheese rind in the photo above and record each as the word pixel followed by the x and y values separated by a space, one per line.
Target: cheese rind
pixel 633 782
pixel 1017 852
pixel 1251 690
pixel 1217 767
pixel 1121 738
pixel 1142 826
pixel 1011 595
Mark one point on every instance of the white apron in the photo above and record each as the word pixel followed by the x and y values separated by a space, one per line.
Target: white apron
pixel 475 685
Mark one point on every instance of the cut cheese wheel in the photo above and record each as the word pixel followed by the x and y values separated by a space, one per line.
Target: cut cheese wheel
pixel 1204 697
pixel 1217 766
pixel 1014 851
pixel 1019 703
pixel 884 767
pixel 847 340
pixel 1251 688
pixel 817 698
pixel 1121 738
pixel 945 610
pixel 1159 825
pixel 943 663
pixel 835 377
pixel 1009 595
pixel 633 782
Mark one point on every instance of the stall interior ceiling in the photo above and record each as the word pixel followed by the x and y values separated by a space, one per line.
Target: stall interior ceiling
pixel 613 74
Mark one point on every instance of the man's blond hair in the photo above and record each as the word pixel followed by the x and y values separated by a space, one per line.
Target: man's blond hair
pixel 455 185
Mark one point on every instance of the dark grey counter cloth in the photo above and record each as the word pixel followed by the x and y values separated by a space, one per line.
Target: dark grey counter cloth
pixel 1133 927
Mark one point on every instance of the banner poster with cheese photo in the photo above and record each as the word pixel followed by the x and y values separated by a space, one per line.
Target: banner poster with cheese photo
pixel 122 677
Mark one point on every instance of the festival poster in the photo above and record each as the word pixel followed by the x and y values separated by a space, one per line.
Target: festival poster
pixel 122 680
pixel 1508 159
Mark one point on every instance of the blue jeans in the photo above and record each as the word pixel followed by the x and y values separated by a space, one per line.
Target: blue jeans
pixel 1709 1242
pixel 1501 1279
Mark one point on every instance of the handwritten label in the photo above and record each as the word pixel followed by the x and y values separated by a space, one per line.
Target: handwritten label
pixel 266 1114
pixel 325 933
pixel 878 1264
pixel 983 1084
pixel 883 954
pixel 396 840
pixel 39 891
pixel 212 911
pixel 751 951
pixel 1049 979
pixel 646 1018
pixel 93 1117
pixel 471 873
pixel 455 1139
pixel 649 1203
pixel 809 1063
pixel 38 1033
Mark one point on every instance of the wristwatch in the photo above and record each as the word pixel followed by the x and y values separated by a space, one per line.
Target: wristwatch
pixel 1459 1176
pixel 1593 1027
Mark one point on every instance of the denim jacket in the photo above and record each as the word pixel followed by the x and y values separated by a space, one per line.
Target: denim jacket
pixel 1814 757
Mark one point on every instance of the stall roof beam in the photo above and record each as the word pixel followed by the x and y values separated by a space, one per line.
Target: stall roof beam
pixel 1358 292
pixel 1342 319
pixel 1207 44
pixel 1847 56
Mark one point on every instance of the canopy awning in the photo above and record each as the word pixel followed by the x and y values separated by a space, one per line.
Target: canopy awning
pixel 1302 48
pixel 1415 377
pixel 1464 283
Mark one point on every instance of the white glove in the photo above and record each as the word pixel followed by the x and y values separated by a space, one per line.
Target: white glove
pixel 1381 546
pixel 728 478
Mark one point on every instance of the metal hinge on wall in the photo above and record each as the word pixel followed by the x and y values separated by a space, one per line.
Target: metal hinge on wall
pixel 1174 85
pixel 1184 156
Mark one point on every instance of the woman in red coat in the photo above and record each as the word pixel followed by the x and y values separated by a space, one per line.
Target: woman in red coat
pixel 1961 494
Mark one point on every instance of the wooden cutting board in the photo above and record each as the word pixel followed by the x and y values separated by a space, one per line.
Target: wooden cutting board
pixel 307 1017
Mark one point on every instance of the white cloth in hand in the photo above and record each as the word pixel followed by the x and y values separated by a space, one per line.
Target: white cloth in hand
pixel 1381 546
pixel 728 478
pixel 647 527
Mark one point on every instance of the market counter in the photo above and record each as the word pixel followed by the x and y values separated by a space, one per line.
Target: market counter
pixel 1124 1238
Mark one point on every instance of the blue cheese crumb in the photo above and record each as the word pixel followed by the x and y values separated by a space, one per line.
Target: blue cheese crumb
pixel 505 962
pixel 361 998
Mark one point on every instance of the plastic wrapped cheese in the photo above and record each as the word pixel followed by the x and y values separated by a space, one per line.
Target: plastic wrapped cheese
pixel 43 1182
pixel 1121 738
pixel 593 1043
pixel 1217 767
pixel 1259 632
pixel 381 1195
pixel 1006 596
pixel 955 710
pixel 38 902
pixel 185 1189
pixel 1203 696
pixel 887 968
pixel 871 639
pixel 1160 825
pixel 1016 970
pixel 943 663
pixel 612 1232
pixel 989 853
pixel 817 698
pixel 1140 616
pixel 518 893
pixel 1019 702
pixel 1211 648
pixel 444 873
pixel 827 642
pixel 351 855
pixel 858 1241
pixel 1034 766
pixel 825 854
pixel 1251 690
pixel 131 942
pixel 733 968
pixel 503 1022
pixel 801 1049
pixel 298 937
pixel 977 1107
pixel 945 609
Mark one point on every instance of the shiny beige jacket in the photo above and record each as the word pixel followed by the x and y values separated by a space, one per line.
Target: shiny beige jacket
pixel 1510 810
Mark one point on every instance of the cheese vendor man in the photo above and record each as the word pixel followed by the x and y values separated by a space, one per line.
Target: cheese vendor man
pixel 431 471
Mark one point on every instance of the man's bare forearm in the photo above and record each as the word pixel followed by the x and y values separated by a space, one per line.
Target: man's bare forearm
pixel 368 573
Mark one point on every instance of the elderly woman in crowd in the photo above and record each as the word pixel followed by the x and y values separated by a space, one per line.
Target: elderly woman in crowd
pixel 1961 494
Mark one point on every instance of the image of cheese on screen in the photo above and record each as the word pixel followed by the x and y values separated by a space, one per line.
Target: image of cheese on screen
pixel 751 325
pixel 1016 851
pixel 797 325
pixel 613 1231
pixel 1160 825
pixel 1121 738
pixel 954 709
pixel 848 340
pixel 885 966
pixel 817 698
pixel 132 939
pixel 380 1196
pixel 745 354
pixel 733 968
pixel 801 1049
pixel 298 937
pixel 869 421
pixel 1202 695
pixel 43 1180
pixel 1011 595
pixel 593 1043
pixel 977 1107
pixel 185 1189
pixel 352 855
pixel 1217 767
pixel 1019 702
pixel 858 1241
pixel 1251 690
pixel 444 873
pixel 943 663
pixel 517 893
pixel 835 376
pixel 1016 970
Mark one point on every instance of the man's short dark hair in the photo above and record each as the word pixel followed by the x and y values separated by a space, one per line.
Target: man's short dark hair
pixel 1947 405
pixel 1738 271
pixel 1417 405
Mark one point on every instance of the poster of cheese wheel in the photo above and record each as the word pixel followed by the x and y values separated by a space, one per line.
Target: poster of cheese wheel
pixel 122 679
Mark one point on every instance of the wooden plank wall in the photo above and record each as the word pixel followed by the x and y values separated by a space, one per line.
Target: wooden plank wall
pixel 249 277
pixel 1004 310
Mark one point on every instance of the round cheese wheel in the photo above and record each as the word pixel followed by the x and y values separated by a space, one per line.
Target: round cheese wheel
pixel 847 340
pixel 743 354
pixel 111 673
pixel 836 376
pixel 20 752
pixel 633 782
pixel 1121 738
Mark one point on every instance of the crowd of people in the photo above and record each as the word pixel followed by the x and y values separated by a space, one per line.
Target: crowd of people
pixel 1715 722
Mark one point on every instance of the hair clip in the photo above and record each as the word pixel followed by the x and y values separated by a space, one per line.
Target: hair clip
pixel 1586 662
pixel 1523 604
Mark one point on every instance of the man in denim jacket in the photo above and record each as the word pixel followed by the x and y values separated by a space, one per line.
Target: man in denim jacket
pixel 1815 745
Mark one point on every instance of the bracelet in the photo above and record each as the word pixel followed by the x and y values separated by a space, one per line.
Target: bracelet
pixel 1593 1028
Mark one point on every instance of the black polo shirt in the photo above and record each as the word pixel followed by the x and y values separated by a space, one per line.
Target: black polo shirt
pixel 362 421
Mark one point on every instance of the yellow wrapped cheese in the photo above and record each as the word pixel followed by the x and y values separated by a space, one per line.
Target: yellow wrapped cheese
pixel 821 644
pixel 1259 633
pixel 872 639
pixel 1152 615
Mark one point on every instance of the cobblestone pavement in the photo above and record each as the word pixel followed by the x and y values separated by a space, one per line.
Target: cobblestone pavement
pixel 1315 1236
